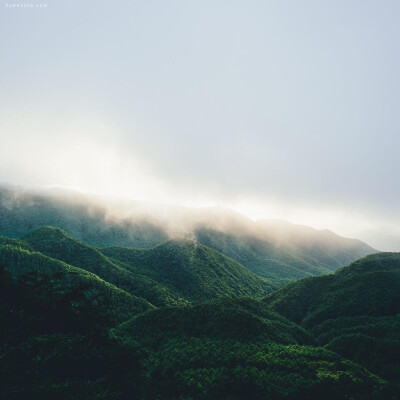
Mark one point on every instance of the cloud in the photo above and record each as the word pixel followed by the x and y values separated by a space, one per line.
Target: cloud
pixel 286 116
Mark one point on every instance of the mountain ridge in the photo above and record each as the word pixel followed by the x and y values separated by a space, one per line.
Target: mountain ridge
pixel 178 262
pixel 280 252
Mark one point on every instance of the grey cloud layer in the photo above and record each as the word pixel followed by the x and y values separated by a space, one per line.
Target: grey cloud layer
pixel 292 102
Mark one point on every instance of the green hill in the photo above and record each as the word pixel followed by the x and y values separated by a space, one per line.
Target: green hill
pixel 369 286
pixel 243 320
pixel 194 271
pixel 284 252
pixel 20 261
pixel 58 244
pixel 260 256
pixel 354 311
pixel 54 340
pixel 235 349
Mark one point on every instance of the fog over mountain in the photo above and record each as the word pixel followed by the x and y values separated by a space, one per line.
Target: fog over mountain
pixel 275 250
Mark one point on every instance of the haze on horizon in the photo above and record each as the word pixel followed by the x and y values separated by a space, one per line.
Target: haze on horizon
pixel 284 110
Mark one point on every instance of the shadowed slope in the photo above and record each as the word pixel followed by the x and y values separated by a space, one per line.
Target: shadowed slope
pixel 58 244
pixel 243 320
pixel 236 349
pixel 370 286
pixel 19 261
pixel 354 311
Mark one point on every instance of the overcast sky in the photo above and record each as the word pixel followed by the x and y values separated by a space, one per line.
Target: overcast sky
pixel 278 109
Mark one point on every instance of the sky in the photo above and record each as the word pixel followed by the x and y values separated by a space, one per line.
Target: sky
pixel 277 109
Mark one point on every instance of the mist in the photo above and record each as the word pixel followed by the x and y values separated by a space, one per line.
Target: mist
pixel 276 111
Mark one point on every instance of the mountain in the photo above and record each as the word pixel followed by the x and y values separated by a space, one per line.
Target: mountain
pixel 196 272
pixel 244 320
pixel 355 311
pixel 84 217
pixel 120 323
pixel 20 259
pixel 54 341
pixel 279 251
pixel 172 273
pixel 57 244
pixel 369 286
pixel 261 256
pixel 235 349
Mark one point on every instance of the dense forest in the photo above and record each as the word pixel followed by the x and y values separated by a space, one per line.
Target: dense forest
pixel 181 320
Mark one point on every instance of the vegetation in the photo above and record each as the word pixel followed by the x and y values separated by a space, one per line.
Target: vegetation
pixel 58 244
pixel 259 256
pixel 182 321
pixel 196 272
pixel 243 320
pixel 122 304
pixel 354 312
pixel 301 253
pixel 205 368
pixel 245 350
pixel 55 344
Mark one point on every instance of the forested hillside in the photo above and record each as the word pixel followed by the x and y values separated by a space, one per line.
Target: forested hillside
pixel 83 218
pixel 354 312
pixel 58 244
pixel 196 272
pixel 241 349
pixel 181 321
pixel 282 251
pixel 169 274
pixel 22 261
